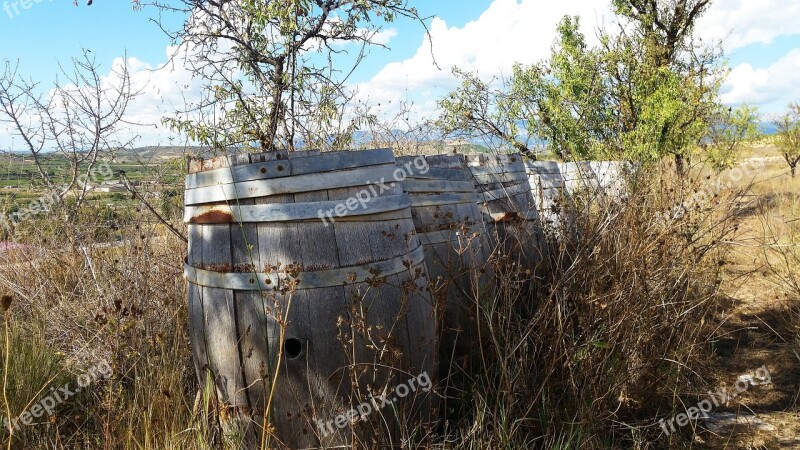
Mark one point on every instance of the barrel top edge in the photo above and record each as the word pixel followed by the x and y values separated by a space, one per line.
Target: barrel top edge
pixel 199 164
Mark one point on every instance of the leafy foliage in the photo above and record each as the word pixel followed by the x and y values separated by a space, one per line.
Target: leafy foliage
pixel 648 90
pixel 733 128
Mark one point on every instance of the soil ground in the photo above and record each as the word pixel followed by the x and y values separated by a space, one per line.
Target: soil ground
pixel 760 327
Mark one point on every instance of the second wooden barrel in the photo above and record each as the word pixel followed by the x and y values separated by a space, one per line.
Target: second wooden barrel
pixel 451 229
pixel 307 298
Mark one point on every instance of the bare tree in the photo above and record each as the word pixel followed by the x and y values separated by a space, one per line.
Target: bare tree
pixel 275 71
pixel 77 119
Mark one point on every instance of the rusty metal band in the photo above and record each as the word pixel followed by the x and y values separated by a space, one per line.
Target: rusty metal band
pixel 420 186
pixel 304 280
pixel 316 164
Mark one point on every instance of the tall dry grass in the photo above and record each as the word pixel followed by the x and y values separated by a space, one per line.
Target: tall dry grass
pixel 611 340
pixel 617 334
pixel 106 290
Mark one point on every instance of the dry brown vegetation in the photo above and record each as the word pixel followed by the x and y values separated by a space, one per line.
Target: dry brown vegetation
pixel 636 320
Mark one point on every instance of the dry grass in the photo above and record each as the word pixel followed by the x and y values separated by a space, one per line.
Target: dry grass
pixel 761 324
pixel 620 333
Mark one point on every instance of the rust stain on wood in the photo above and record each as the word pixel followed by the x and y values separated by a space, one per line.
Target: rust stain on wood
pixel 227 412
pixel 194 165
pixel 508 217
pixel 212 216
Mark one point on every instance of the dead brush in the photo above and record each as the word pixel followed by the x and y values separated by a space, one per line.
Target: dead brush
pixel 618 331
pixel 118 301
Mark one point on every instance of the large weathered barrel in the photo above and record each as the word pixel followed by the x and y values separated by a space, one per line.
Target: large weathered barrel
pixel 450 226
pixel 550 195
pixel 508 207
pixel 307 297
pixel 579 178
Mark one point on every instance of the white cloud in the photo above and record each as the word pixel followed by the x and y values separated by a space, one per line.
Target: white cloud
pixel 163 90
pixel 523 31
pixel 507 32
pixel 383 37
pixel 743 22
pixel 779 83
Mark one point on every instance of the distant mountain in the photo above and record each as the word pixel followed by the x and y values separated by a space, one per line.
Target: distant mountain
pixel 768 128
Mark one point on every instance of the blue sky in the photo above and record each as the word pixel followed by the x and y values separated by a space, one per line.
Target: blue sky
pixel 762 41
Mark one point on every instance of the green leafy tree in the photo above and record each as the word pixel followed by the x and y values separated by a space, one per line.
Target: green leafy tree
pixel 275 70
pixel 648 91
pixel 730 131
pixel 788 139
pixel 475 108
pixel 565 96
pixel 664 82
pixel 558 100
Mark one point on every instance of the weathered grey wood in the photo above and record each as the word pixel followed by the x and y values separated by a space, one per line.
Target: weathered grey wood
pixel 277 212
pixel 249 315
pixel 509 208
pixel 279 280
pixel 438 173
pixel 442 199
pixel 342 160
pixel 552 199
pixel 195 296
pixel 447 236
pixel 220 314
pixel 287 167
pixel 579 177
pixel 343 361
pixel 323 307
pixel 278 186
pixel 612 177
pixel 429 186
pixel 504 192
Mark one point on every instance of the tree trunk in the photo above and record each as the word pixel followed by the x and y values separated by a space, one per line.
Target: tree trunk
pixel 268 144
pixel 794 170
pixel 680 165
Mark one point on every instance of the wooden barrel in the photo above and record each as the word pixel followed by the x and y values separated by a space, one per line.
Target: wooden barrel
pixel 550 195
pixel 612 177
pixel 508 207
pixel 579 178
pixel 451 229
pixel 307 297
